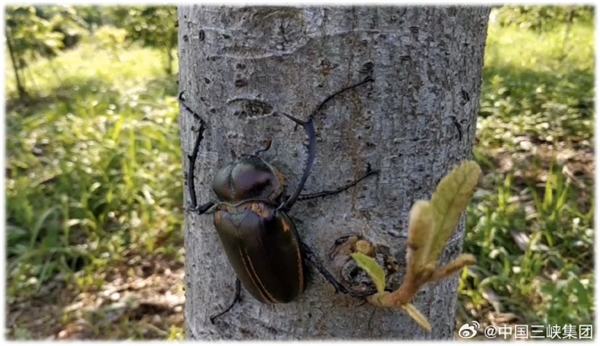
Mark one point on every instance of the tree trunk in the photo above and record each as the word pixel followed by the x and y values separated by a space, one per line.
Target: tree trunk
pixel 414 123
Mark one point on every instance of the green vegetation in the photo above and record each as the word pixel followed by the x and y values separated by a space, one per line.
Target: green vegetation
pixel 541 18
pixel 152 26
pixel 531 224
pixel 34 32
pixel 94 183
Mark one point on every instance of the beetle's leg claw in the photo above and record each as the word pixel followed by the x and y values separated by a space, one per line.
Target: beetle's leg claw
pixel 202 209
pixel 369 78
pixel 187 108
pixel 294 119
pixel 330 97
pixel 339 288
pixel 236 299
pixel 308 196
pixel 282 207
pixel 267 146
pixel 370 171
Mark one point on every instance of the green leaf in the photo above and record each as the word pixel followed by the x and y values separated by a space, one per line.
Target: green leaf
pixel 369 265
pixel 449 201
pixel 420 235
pixel 417 316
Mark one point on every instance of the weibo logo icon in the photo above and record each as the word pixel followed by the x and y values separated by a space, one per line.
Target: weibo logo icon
pixel 468 331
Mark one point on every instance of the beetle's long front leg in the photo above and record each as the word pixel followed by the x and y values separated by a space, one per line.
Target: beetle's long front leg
pixel 312 143
pixel 312 258
pixel 304 197
pixel 187 108
pixel 330 97
pixel 236 299
pixel 200 209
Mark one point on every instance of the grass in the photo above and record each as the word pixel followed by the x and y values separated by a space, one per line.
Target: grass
pixel 93 173
pixel 531 224
pixel 94 191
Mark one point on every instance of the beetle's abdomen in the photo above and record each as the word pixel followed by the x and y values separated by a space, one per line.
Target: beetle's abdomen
pixel 246 178
pixel 264 250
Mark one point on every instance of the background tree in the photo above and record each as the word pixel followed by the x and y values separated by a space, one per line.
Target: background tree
pixel 38 31
pixel 34 32
pixel 415 122
pixel 152 26
pixel 542 18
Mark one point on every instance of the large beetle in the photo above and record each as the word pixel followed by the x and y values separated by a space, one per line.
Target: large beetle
pixel 250 216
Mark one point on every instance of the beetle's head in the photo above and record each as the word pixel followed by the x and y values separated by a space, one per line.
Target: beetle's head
pixel 247 177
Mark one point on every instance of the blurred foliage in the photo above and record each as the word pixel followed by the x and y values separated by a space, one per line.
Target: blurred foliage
pixel 41 31
pixel 531 223
pixel 93 15
pixel 35 32
pixel 538 85
pixel 38 31
pixel 110 39
pixel 93 178
pixel 90 167
pixel 541 18
pixel 152 26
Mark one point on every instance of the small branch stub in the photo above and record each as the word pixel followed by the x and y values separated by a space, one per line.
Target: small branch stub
pixel 357 280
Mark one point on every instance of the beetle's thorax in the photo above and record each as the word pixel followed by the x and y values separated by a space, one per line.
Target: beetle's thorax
pixel 248 177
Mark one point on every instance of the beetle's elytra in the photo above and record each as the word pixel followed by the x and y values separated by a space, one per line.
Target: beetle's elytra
pixel 250 216
pixel 264 248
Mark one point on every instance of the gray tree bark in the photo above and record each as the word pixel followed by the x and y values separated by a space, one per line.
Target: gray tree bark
pixel 414 123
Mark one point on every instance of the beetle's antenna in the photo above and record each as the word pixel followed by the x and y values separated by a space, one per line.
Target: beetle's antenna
pixel 267 147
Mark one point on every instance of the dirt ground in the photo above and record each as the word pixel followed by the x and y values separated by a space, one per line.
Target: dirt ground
pixel 139 299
